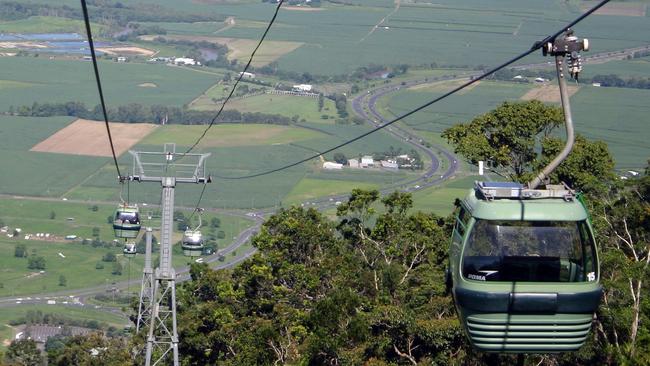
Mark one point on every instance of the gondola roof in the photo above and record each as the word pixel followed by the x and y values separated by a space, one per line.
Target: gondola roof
pixel 527 209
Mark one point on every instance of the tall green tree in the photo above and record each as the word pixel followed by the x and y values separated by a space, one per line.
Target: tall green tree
pixel 92 350
pixel 624 216
pixel 23 352
pixel 311 295
pixel 507 136
pixel 589 167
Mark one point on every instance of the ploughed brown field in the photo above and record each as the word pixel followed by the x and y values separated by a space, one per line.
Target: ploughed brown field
pixel 84 137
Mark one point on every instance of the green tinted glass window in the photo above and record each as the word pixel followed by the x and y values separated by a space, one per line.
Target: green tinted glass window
pixel 538 251
pixel 462 219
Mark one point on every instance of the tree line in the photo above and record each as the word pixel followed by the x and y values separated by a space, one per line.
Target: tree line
pixel 138 113
pixel 607 80
pixel 612 80
pixel 193 48
pixel 104 12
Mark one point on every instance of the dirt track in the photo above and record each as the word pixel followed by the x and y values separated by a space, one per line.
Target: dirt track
pixel 83 137
pixel 137 51
pixel 548 93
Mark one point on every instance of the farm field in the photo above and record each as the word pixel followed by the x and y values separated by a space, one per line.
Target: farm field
pixel 36 173
pixel 461 28
pixel 74 81
pixel 225 135
pixel 45 24
pixel 338 38
pixel 236 151
pixel 597 113
pixel 240 48
pixel 195 29
pixel 459 108
pixel 637 67
pixel 84 137
pixel 618 116
pixel 287 105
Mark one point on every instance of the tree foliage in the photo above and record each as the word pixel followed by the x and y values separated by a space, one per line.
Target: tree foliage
pixel 93 350
pixel 36 262
pixel 319 292
pixel 23 352
pixel 589 167
pixel 507 136
pixel 623 214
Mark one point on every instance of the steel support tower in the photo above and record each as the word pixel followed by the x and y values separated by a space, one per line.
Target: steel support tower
pixel 159 314
pixel 146 290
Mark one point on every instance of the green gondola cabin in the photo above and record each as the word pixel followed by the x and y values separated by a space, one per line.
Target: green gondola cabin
pixel 524 268
pixel 192 243
pixel 129 250
pixel 126 222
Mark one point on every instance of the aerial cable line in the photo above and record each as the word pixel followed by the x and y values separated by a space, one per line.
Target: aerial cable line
pixel 241 75
pixel 232 91
pixel 535 47
pixel 99 85
pixel 189 221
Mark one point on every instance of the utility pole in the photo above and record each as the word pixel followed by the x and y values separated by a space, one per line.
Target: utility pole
pixel 168 169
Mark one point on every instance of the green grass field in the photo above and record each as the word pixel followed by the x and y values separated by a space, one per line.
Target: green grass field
pixel 227 135
pixel 614 115
pixel 50 81
pixel 451 32
pixel 79 260
pixel 36 173
pixel 340 37
pixel 459 108
pixel 638 67
pixel 45 24
pixel 248 149
pixel 440 199
pixel 309 188
pixel 78 267
pixel 619 117
pixel 287 105
pixel 34 216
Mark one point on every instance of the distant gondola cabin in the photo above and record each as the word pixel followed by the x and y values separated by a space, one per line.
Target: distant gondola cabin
pixel 192 243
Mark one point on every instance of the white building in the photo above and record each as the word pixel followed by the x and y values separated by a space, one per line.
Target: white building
pixel 389 164
pixel 186 61
pixel 247 75
pixel 331 165
pixel 160 59
pixel 353 163
pixel 302 87
pixel 367 161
